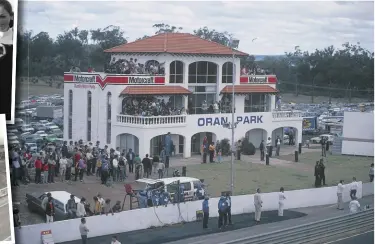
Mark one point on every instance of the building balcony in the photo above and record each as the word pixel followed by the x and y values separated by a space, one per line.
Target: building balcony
pixel 152 121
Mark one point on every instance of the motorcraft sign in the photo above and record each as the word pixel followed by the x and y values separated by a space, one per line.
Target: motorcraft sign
pixel 141 80
pixel 220 121
pixel 104 79
pixel 84 78
pixel 258 79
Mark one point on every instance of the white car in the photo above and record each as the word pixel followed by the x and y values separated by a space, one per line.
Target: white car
pixel 12 138
pixel 190 185
pixel 32 146
pixel 27 128
pixel 317 140
pixel 41 133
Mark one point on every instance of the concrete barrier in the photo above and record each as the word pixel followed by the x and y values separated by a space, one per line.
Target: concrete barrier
pixel 368 189
pixel 159 216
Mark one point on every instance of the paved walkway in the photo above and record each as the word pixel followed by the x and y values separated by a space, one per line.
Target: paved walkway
pixel 192 232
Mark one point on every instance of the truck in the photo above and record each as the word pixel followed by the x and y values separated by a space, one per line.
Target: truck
pixel 49 112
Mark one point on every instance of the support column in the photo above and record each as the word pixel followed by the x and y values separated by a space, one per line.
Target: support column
pixel 144 146
pixel 272 102
pixel 167 71
pixel 187 146
pixel 186 102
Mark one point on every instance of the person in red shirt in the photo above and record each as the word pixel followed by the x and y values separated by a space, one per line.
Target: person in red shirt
pixel 38 170
pixel 77 157
pixel 45 173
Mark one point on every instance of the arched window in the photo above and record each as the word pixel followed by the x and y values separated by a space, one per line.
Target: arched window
pixel 89 105
pixel 202 72
pixel 70 122
pixel 176 72
pixel 109 113
pixel 227 76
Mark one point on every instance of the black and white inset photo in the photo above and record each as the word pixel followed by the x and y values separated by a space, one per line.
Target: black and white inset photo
pixel 8 40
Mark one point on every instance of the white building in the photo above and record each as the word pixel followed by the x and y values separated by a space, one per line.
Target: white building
pixel 195 70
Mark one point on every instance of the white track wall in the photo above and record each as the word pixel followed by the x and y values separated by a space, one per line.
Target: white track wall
pixel 160 216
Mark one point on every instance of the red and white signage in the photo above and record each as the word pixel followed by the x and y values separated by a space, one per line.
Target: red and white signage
pixel 47 237
pixel 88 78
pixel 258 79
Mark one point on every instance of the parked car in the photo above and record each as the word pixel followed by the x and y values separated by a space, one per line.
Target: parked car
pixel 170 184
pixel 59 133
pixel 60 199
pixel 27 128
pixel 317 140
pixel 31 146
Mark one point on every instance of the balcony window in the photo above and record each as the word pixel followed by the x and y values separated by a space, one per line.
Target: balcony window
pixel 227 73
pixel 255 102
pixel 202 72
pixel 176 72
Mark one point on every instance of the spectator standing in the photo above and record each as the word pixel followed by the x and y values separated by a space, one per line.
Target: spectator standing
pixel 281 202
pixel 130 158
pixel 222 208
pixel 38 170
pixel 258 206
pixel 322 174
pixel 160 169
pixel 122 167
pixel 115 170
pixel 317 174
pixel 63 164
pixel 147 166
pixel 81 211
pixel 229 211
pixel 219 157
pixel 353 188
pixel 261 149
pixel 206 212
pixel 340 190
pixel 212 152
pixel 45 173
pixel 83 230
pixel 49 210
pixel 278 145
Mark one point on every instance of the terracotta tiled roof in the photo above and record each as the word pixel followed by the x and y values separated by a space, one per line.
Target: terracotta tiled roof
pixel 182 43
pixel 155 90
pixel 244 89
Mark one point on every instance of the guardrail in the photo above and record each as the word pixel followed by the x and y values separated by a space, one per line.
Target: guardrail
pixel 286 114
pixel 314 232
pixel 152 120
pixel 4 192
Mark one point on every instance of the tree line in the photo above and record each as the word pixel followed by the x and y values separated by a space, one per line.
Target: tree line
pixel 331 70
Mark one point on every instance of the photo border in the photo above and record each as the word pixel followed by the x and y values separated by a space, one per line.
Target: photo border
pixel 14 62
pixel 9 187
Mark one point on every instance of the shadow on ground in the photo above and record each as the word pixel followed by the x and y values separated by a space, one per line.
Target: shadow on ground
pixel 188 230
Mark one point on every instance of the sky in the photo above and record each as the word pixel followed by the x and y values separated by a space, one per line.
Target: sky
pixel 277 26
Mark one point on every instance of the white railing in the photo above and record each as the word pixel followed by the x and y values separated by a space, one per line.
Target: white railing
pixel 286 114
pixel 152 120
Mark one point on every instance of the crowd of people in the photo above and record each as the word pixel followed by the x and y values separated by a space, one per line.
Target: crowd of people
pixel 149 106
pixel 132 66
pixel 254 70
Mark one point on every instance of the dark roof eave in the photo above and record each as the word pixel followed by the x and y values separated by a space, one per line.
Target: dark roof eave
pixel 191 54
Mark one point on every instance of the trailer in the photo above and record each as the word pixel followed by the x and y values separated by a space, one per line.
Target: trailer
pixel 49 112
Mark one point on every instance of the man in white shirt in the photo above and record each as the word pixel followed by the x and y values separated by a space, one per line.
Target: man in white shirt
pixel 354 206
pixel 258 205
pixel 278 144
pixel 115 168
pixel 268 146
pixel 281 202
pixel 81 211
pixel 340 190
pixel 353 188
pixel 63 163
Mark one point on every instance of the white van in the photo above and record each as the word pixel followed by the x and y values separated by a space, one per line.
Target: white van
pixel 189 184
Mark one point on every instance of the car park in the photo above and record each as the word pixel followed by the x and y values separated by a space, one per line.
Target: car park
pixel 60 199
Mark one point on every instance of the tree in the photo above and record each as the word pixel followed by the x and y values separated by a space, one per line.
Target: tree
pixel 222 38
pixel 165 28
